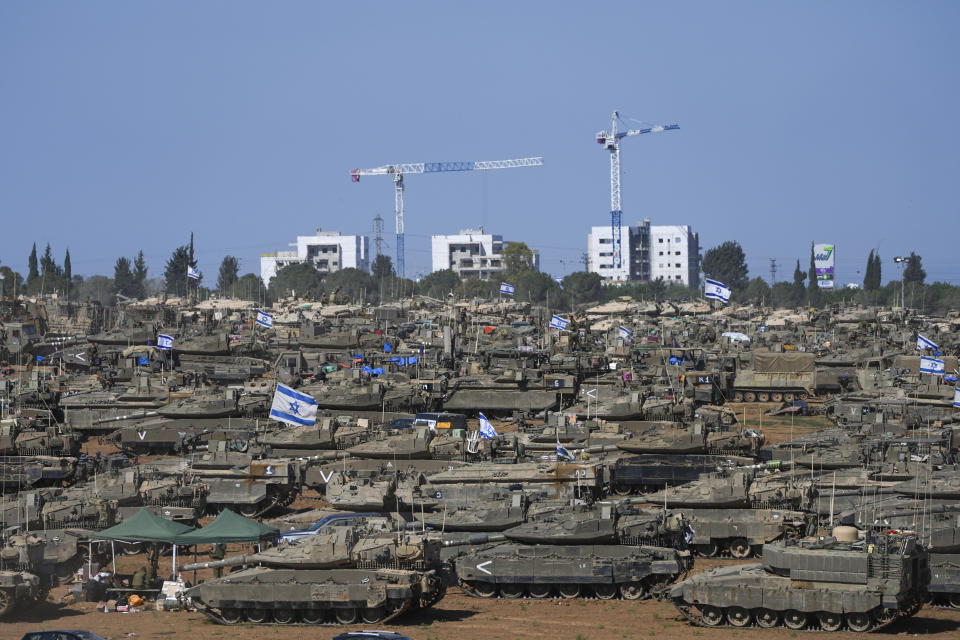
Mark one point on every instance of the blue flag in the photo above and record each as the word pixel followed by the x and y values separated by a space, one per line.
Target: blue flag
pixel 164 341
pixel 563 453
pixel 293 407
pixel 556 322
pixel 264 319
pixel 486 429
pixel 506 288
pixel 193 273
pixel 716 290
pixel 40 358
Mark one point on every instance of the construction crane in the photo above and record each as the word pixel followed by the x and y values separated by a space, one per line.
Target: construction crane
pixel 611 141
pixel 399 170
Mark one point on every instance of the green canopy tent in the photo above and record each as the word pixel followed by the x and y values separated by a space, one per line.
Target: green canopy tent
pixel 228 527
pixel 144 526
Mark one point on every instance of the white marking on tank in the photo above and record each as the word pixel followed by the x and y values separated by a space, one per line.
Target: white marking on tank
pixel 484 564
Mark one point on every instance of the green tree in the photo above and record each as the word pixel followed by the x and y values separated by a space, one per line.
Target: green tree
pixel 877 271
pixel 67 273
pixel 97 288
pixel 123 281
pixel 582 287
pixel 914 273
pixel 757 291
pixel 657 288
pixel 382 267
pixel 229 273
pixel 539 287
pixel 140 275
pixel 175 275
pixel 868 274
pixel 799 291
pixel 813 283
pixel 12 281
pixel 249 287
pixel 727 264
pixel 356 284
pixel 33 273
pixel 477 288
pixel 517 258
pixel 439 283
pixel 300 278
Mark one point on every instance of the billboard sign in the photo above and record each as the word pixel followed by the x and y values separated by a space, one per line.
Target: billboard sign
pixel 824 256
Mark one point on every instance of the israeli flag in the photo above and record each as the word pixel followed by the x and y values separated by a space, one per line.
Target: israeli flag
pixel 264 319
pixel 164 341
pixel 926 343
pixel 932 365
pixel 506 288
pixel 956 397
pixel 556 322
pixel 563 453
pixel 192 273
pixel 716 290
pixel 293 407
pixel 626 334
pixel 486 429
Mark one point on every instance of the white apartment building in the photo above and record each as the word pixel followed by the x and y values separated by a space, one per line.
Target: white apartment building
pixel 328 251
pixel 648 252
pixel 472 254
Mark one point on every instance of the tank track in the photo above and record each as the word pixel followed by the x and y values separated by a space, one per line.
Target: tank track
pixel 642 590
pixel 216 616
pixel 877 622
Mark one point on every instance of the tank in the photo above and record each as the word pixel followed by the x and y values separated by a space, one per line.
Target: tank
pixel 383 575
pixel 740 532
pixel 18 589
pixel 864 586
pixel 511 570
pixel 776 377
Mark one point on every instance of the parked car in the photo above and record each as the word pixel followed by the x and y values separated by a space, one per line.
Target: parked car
pixel 371 635
pixel 296 534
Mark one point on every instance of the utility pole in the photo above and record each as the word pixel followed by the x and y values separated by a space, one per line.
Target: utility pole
pixel 585 259
pixel 378 234
pixel 773 271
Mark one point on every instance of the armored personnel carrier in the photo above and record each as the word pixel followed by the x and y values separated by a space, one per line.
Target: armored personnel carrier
pixel 512 570
pixel 864 585
pixel 17 590
pixel 384 576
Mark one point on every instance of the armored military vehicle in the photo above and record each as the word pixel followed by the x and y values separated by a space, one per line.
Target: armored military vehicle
pixel 511 570
pixel 741 532
pixel 864 585
pixel 389 575
pixel 18 589
pixel 773 377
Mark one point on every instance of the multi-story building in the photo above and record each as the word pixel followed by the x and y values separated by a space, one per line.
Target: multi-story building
pixel 648 252
pixel 472 254
pixel 328 251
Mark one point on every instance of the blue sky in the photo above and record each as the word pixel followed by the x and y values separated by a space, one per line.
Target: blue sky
pixel 127 125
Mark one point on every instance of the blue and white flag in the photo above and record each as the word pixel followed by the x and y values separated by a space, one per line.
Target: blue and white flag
pixel 926 343
pixel 626 334
pixel 556 322
pixel 293 407
pixel 506 288
pixel 192 273
pixel 563 453
pixel 956 397
pixel 716 290
pixel 164 341
pixel 932 365
pixel 486 429
pixel 264 319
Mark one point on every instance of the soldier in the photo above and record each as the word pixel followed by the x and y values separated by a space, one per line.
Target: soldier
pixel 217 552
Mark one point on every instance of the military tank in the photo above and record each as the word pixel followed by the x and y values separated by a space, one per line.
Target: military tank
pixel 511 570
pixel 378 578
pixel 861 584
pixel 18 589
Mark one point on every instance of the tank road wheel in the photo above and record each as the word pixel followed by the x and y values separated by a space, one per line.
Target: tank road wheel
pixel 738 396
pixel 740 548
pixel 284 616
pixel 738 616
pixel 258 615
pixel 231 616
pixel 794 619
pixel 802 395
pixel 763 396
pixel 484 589
pixel 788 397
pixel 346 616
pixel 569 590
pixel 954 600
pixel 749 396
pixel 511 591
pixel 830 621
pixel 539 591
pixel 708 550
pixel 859 621
pixel 249 510
pixel 622 489
pixel 373 614
pixel 605 591
pixel 776 396
pixel 6 602
pixel 632 590
pixel 311 616
pixel 711 616
pixel 131 548
pixel 766 618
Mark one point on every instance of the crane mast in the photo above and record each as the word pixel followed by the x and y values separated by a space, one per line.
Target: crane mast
pixel 611 141
pixel 398 171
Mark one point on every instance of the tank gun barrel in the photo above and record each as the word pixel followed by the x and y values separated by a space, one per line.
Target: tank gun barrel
pixel 146 414
pixel 232 561
pixel 475 539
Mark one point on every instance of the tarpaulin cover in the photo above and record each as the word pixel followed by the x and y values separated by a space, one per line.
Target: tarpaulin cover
pixel 228 527
pixel 143 526
pixel 772 362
